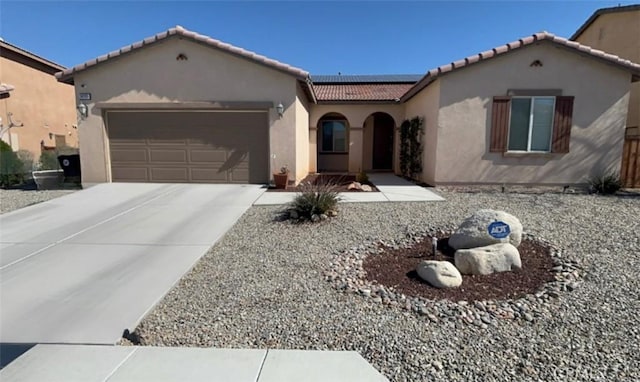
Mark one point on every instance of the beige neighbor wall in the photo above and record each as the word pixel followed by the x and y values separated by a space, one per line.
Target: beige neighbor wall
pixel 153 74
pixel 426 104
pixel 41 104
pixel 302 135
pixel 618 33
pixel 599 114
pixel 356 115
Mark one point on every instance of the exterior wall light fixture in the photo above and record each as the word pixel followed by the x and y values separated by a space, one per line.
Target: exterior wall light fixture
pixel 83 110
pixel 280 110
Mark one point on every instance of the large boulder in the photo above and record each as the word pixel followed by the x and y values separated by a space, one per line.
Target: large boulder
pixel 440 274
pixel 486 227
pixel 486 260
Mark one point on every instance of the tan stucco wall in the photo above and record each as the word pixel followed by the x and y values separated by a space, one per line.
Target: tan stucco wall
pixel 426 105
pixel 359 137
pixel 601 101
pixel 302 135
pixel 40 103
pixel 153 74
pixel 618 33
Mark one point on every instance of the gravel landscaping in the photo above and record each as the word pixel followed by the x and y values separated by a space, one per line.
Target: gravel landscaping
pixel 15 199
pixel 263 286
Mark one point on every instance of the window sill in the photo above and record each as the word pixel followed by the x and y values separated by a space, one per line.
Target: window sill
pixel 520 154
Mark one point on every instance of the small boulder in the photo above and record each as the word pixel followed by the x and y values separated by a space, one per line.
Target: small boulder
pixel 440 274
pixel 366 188
pixel 486 227
pixel 354 186
pixel 486 260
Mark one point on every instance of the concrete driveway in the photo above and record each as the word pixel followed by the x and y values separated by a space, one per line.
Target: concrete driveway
pixel 84 267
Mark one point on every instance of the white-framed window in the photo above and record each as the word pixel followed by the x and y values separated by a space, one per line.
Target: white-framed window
pixel 531 124
pixel 334 136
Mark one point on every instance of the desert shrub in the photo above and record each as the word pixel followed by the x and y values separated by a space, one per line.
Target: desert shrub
pixel 48 160
pixel 11 167
pixel 315 199
pixel 28 160
pixel 362 177
pixel 606 183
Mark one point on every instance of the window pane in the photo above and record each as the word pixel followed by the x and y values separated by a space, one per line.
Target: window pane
pixel 327 136
pixel 519 125
pixel 542 124
pixel 339 136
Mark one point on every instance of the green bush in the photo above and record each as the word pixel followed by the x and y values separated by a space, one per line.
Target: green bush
pixel 48 161
pixel 608 183
pixel 28 161
pixel 11 167
pixel 314 200
pixel 362 177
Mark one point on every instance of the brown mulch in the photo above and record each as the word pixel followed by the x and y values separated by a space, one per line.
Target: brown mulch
pixel 341 183
pixel 396 268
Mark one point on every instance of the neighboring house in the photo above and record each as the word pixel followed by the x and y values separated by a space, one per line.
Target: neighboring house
pixel 183 107
pixel 616 30
pixel 41 109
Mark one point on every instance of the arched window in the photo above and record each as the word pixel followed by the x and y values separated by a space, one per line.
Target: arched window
pixel 334 136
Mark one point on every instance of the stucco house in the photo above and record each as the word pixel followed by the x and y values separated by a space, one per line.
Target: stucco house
pixel 183 107
pixel 617 30
pixel 40 109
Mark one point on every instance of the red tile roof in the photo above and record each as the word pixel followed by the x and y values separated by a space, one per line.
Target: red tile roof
pixel 431 75
pixel 67 75
pixel 360 92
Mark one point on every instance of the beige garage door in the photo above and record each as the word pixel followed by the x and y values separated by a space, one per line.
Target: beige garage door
pixel 189 147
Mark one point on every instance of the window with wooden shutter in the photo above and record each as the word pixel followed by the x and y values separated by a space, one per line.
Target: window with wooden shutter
pixel 562 122
pixel 500 124
pixel 531 124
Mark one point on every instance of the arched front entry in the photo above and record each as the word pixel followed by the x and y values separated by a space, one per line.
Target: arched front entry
pixel 379 131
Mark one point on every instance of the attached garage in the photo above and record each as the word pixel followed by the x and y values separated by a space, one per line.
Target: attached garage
pixel 194 146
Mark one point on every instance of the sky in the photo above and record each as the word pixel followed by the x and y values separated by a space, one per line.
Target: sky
pixel 327 37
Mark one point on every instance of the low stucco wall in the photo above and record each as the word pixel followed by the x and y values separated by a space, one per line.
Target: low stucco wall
pixel 464 121
pixel 154 75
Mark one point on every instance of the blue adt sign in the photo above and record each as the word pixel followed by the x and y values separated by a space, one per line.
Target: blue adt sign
pixel 499 229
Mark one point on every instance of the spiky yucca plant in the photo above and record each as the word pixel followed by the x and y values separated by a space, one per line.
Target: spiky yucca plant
pixel 315 199
pixel 607 184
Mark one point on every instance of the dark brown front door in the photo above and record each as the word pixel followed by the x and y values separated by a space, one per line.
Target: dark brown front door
pixel 382 142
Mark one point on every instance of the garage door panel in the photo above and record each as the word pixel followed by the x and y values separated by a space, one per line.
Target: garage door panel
pixel 204 147
pixel 209 175
pixel 207 156
pixel 169 174
pixel 129 155
pixel 130 174
pixel 167 155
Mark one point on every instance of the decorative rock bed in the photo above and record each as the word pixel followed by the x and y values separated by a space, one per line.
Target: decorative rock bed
pixel 347 274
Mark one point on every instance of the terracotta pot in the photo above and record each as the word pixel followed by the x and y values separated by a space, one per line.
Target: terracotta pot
pixel 281 180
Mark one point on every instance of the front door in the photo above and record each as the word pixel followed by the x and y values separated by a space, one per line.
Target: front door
pixel 382 143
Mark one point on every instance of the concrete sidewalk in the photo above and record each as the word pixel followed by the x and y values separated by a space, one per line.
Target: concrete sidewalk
pixel 87 363
pixel 392 189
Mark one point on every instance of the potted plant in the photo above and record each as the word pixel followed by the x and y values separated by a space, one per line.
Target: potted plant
pixel 281 178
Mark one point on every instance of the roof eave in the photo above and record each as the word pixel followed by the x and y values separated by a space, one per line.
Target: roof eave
pixel 68 74
pixel 31 56
pixel 603 11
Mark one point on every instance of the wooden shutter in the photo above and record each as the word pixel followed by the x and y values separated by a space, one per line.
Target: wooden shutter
pixel 500 124
pixel 562 124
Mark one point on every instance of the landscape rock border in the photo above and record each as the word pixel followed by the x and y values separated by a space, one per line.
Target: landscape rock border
pixel 346 274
